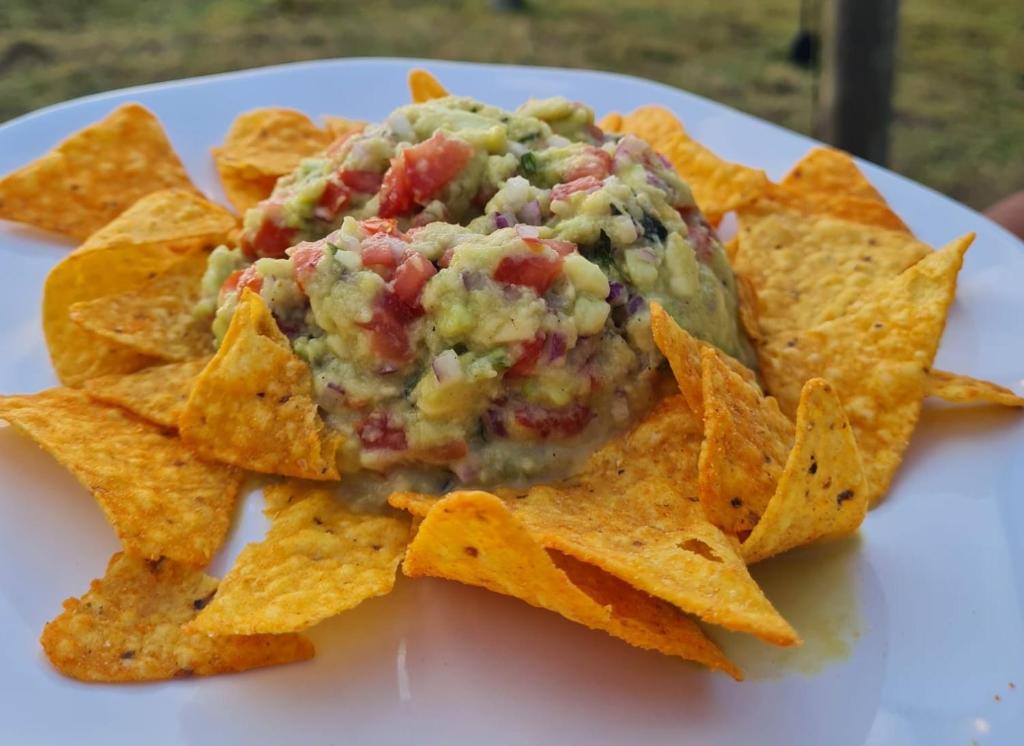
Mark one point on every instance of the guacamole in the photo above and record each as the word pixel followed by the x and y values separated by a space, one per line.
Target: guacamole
pixel 479 308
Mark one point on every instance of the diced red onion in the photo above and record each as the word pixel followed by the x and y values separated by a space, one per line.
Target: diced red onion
pixel 531 213
pixel 446 367
pixel 646 255
pixel 527 231
pixel 664 161
pixel 616 294
pixel 467 470
pixel 629 150
pixel 635 304
pixel 556 346
pixel 504 220
pixel 472 280
pixel 387 369
pixel 494 420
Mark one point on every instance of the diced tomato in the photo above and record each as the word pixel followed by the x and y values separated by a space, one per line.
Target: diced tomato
pixel 305 257
pixel 241 279
pixel 446 257
pixel 378 254
pixel 562 422
pixel 270 239
pixel 420 171
pixel 388 335
pixel 700 232
pixel 373 226
pixel 377 432
pixel 591 162
pixel 583 184
pixel 362 181
pixel 562 248
pixel 410 277
pixel 595 132
pixel 535 271
pixel 332 200
pixel 336 147
pixel 528 358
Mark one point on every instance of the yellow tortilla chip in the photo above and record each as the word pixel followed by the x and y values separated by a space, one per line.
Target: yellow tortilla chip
pixel 611 122
pixel 805 270
pixel 842 206
pixel 253 405
pixel 473 538
pixel 634 512
pixel 826 170
pixel 244 187
pixel 144 241
pixel 319 558
pixel 270 141
pixel 157 394
pixel 652 123
pixel 746 443
pixel 878 357
pixel 155 318
pixel 683 353
pixel 128 627
pixel 94 175
pixel 424 87
pixel 821 492
pixel 160 498
pixel 960 389
pixel 341 126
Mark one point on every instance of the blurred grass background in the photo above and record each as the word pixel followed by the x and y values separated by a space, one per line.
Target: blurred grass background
pixel 959 124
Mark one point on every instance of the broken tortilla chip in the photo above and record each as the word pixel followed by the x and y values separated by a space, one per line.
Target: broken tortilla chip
pixel 634 513
pixel 960 389
pixel 157 394
pixel 473 538
pixel 820 494
pixel 94 175
pixel 253 405
pixel 155 318
pixel 878 357
pixel 806 270
pixel 146 240
pixel 161 499
pixel 128 627
pixel 424 87
pixel 746 442
pixel 320 558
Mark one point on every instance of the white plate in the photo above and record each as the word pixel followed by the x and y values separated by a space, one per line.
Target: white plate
pixel 914 632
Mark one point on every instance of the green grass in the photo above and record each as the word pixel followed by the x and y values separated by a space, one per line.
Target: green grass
pixel 959 123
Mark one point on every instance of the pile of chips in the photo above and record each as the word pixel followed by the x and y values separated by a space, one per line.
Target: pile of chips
pixel 650 539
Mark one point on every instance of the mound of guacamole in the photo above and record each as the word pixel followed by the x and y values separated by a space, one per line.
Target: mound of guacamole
pixel 470 286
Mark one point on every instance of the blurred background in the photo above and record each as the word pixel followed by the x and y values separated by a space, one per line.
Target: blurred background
pixel 958 106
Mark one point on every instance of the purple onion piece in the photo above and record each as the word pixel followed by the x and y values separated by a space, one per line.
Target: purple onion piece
pixel 616 294
pixel 472 280
pixel 531 213
pixel 635 304
pixel 504 220
pixel 647 255
pixel 387 369
pixel 556 346
pixel 466 470
pixel 494 421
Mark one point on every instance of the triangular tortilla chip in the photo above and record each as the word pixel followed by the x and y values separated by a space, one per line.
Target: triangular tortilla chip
pixel 94 175
pixel 319 558
pixel 128 627
pixel 809 269
pixel 244 187
pixel 160 498
pixel 746 443
pixel 424 87
pixel 960 389
pixel 821 492
pixel 143 242
pixel 878 358
pixel 341 126
pixel 253 405
pixel 473 538
pixel 155 318
pixel 634 512
pixel 825 170
pixel 157 394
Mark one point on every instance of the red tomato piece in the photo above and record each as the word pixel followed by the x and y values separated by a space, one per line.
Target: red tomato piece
pixel 699 232
pixel 388 335
pixel 373 226
pixel 305 257
pixel 420 171
pixel 583 184
pixel 362 181
pixel 562 422
pixel 410 277
pixel 528 358
pixel 377 432
pixel 270 239
pixel 379 254
pixel 241 279
pixel 591 162
pixel 332 200
pixel 535 271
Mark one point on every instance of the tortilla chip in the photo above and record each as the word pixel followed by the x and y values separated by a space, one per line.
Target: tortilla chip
pixel 424 87
pixel 245 188
pixel 143 242
pixel 878 357
pixel 253 405
pixel 473 538
pixel 128 627
pixel 157 394
pixel 652 123
pixel 270 141
pixel 683 352
pixel 341 126
pixel 94 175
pixel 611 122
pixel 960 389
pixel 319 558
pixel 827 170
pixel 821 492
pixel 746 443
pixel 160 498
pixel 806 270
pixel 634 513
pixel 747 301
pixel 155 318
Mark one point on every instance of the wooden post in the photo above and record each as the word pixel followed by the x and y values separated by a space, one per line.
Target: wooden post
pixel 855 94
